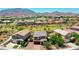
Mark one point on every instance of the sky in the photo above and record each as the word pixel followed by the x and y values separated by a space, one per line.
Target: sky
pixel 73 10
pixel 41 10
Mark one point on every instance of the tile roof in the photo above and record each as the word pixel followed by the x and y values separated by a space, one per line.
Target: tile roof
pixel 23 32
pixel 77 27
pixel 62 32
pixel 40 33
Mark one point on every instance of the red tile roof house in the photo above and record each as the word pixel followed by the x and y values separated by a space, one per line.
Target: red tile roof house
pixel 75 29
pixel 21 35
pixel 65 33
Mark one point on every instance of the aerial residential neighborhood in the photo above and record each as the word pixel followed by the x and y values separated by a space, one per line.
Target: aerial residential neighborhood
pixel 26 29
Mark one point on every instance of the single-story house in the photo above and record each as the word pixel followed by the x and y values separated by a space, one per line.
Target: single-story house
pixel 76 28
pixel 50 21
pixel 29 22
pixel 5 20
pixel 57 17
pixel 20 22
pixel 21 35
pixel 39 37
pixel 38 22
pixel 65 33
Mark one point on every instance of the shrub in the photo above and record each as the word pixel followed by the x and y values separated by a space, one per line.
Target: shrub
pixel 47 45
pixel 77 42
pixel 76 36
pixel 15 46
pixel 22 43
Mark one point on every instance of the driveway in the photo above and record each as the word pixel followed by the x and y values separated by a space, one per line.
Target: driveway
pixel 32 46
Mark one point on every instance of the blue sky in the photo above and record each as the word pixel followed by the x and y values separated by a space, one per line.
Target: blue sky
pixel 41 10
pixel 74 10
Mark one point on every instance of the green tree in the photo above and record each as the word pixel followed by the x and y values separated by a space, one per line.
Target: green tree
pixel 57 40
pixel 76 36
pixel 47 45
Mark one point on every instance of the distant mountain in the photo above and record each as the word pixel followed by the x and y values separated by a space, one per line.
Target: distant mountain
pixel 23 12
pixel 57 13
pixel 17 12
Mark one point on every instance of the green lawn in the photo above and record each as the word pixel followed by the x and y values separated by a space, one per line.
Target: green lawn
pixel 45 27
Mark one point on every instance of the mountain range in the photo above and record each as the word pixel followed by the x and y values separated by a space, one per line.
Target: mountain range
pixel 17 12
pixel 22 12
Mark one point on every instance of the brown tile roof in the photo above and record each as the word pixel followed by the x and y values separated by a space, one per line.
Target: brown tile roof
pixel 23 32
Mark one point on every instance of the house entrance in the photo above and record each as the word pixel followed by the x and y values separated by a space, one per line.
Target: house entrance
pixel 37 43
